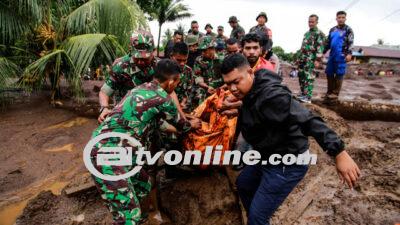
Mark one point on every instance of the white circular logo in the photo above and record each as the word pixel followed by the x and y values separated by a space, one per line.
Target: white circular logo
pixel 88 149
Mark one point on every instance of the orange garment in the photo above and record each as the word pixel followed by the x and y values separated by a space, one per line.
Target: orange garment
pixel 216 129
pixel 263 64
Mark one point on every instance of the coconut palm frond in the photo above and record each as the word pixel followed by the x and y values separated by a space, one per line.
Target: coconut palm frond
pixel 82 48
pixel 115 17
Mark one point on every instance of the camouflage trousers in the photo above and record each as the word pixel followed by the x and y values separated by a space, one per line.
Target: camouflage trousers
pixel 123 197
pixel 306 80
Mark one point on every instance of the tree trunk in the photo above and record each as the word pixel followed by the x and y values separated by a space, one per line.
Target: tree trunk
pixel 159 37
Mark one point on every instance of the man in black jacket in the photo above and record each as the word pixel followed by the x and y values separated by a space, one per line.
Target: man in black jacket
pixel 275 123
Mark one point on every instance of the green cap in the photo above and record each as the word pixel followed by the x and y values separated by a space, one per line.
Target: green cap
pixel 220 28
pixel 208 25
pixel 262 14
pixel 142 44
pixel 192 39
pixel 207 42
pixel 233 19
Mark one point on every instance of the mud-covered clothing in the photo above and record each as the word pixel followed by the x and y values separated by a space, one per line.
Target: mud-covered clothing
pixel 138 114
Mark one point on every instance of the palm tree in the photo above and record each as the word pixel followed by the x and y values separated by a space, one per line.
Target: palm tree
pixel 167 36
pixel 61 38
pixel 180 27
pixel 164 11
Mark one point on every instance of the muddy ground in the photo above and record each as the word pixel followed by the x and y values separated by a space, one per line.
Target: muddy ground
pixel 41 162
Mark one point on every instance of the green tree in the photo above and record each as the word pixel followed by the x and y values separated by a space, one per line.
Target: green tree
pixel 180 27
pixel 289 57
pixel 164 11
pixel 167 36
pixel 61 38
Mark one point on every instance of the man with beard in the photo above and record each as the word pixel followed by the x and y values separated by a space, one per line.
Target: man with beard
pixel 252 50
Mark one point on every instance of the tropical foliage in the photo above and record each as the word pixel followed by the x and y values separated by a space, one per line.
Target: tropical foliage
pixel 47 40
pixel 164 11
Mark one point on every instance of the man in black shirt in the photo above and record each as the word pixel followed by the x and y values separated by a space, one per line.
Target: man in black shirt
pixel 274 123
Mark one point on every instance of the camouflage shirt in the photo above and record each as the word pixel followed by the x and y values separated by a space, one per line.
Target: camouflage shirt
pixel 125 75
pixel 268 35
pixel 312 47
pixel 221 38
pixel 237 32
pixel 139 113
pixel 184 88
pixel 208 71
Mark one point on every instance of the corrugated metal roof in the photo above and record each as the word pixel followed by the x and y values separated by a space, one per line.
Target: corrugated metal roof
pixel 369 51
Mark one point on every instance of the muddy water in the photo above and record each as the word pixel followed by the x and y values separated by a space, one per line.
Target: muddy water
pixel 40 152
pixel 10 213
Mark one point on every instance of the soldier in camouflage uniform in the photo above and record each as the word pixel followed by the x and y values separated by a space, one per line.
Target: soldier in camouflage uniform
pixel 184 89
pixel 237 31
pixel 221 43
pixel 208 28
pixel 206 71
pixel 262 28
pixel 138 115
pixel 311 53
pixel 221 37
pixel 128 71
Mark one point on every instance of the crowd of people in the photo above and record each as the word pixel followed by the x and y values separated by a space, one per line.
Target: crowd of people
pixel 154 98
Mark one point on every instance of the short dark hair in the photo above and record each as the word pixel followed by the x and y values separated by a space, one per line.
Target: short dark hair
pixel 315 16
pixel 232 41
pixel 232 62
pixel 251 37
pixel 180 48
pixel 178 32
pixel 165 69
pixel 194 21
pixel 341 13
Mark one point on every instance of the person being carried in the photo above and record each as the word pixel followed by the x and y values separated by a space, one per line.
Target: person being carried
pixel 273 122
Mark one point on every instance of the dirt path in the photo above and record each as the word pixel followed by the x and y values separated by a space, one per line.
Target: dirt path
pixel 41 150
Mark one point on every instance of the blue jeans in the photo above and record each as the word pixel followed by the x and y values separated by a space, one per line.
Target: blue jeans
pixel 262 189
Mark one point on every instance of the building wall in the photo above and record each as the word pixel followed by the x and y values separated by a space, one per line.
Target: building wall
pixel 383 60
